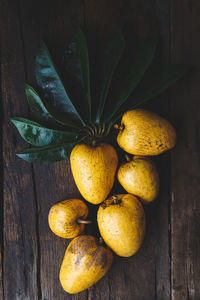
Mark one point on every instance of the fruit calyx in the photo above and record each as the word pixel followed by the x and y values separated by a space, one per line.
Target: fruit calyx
pixel 82 221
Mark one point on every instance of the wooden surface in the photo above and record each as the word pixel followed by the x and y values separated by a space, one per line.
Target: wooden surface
pixel 168 264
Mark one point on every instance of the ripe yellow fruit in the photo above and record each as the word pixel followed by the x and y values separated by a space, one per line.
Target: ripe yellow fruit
pixel 85 262
pixel 121 221
pixel 145 133
pixel 67 217
pixel 140 178
pixel 93 168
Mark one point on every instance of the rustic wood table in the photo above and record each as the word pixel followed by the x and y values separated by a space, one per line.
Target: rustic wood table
pixel 168 264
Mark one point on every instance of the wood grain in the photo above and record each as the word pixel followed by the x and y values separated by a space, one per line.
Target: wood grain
pixel 54 182
pixel 146 275
pixel 1 196
pixel 185 206
pixel 168 265
pixel 20 253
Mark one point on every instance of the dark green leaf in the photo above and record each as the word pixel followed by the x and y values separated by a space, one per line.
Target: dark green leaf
pixel 38 135
pixel 113 52
pixel 36 104
pixel 48 154
pixel 168 75
pixel 77 61
pixel 43 110
pixel 142 60
pixel 53 89
pixel 60 117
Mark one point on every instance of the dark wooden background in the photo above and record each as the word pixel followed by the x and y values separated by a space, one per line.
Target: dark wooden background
pixel 168 264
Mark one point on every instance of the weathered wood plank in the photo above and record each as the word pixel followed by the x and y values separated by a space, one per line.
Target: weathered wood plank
pixel 1 210
pixel 1 200
pixel 102 18
pixel 54 21
pixel 162 213
pixel 185 206
pixel 146 275
pixel 1 277
pixel 20 241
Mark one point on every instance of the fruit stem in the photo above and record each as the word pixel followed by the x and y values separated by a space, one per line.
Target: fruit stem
pixel 115 199
pixel 120 128
pixel 94 143
pixel 81 221
pixel 127 157
pixel 100 240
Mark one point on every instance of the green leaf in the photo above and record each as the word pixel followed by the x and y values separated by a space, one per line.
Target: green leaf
pixel 38 135
pixel 60 117
pixel 36 104
pixel 113 51
pixel 143 59
pixel 77 60
pixel 46 155
pixel 43 110
pixel 168 75
pixel 53 89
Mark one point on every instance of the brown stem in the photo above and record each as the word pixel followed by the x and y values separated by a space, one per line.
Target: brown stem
pixel 116 126
pixel 127 157
pixel 100 240
pixel 94 143
pixel 81 221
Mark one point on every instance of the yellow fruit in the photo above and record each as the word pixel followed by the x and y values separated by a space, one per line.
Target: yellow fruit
pixel 145 133
pixel 93 168
pixel 84 263
pixel 67 217
pixel 140 177
pixel 121 221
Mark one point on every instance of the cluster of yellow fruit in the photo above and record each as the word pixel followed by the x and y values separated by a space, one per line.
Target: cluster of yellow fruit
pixel 121 218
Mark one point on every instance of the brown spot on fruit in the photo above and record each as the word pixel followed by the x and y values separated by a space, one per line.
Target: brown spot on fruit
pixel 78 258
pixel 82 246
pixel 80 268
pixel 99 258
pixel 146 133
